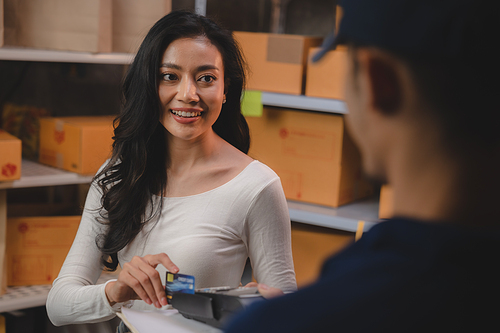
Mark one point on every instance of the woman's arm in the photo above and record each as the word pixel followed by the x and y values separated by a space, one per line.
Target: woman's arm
pixel 74 297
pixel 268 232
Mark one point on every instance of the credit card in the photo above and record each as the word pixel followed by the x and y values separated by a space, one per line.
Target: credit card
pixel 178 283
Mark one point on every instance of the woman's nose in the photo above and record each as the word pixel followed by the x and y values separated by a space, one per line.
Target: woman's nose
pixel 188 92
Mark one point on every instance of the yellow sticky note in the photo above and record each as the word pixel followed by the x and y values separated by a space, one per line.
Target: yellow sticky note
pixel 251 103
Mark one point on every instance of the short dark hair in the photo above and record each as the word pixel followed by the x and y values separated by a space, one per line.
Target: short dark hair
pixel 460 93
pixel 137 169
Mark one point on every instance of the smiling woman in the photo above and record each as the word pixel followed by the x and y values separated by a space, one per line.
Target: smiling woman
pixel 179 192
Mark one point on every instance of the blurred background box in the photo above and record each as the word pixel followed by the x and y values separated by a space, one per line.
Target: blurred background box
pixel 71 25
pixel 10 157
pixel 132 20
pixel 78 144
pixel 37 248
pixel 277 63
pixel 325 78
pixel 312 153
pixel 23 121
pixel 311 246
pixel 386 204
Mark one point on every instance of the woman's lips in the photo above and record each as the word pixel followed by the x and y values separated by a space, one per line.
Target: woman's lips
pixel 186 115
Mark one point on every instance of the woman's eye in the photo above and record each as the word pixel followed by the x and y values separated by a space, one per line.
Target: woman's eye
pixel 169 77
pixel 207 79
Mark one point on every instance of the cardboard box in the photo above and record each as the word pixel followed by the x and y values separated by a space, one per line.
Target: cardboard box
pixel 277 63
pixel 78 144
pixel 10 157
pixel 312 153
pixel 311 246
pixel 132 20
pixel 386 204
pixel 23 122
pixel 72 25
pixel 37 248
pixel 325 78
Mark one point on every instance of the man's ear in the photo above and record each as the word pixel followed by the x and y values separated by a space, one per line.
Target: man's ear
pixel 383 81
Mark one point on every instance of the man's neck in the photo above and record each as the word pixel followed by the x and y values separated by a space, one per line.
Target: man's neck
pixel 440 189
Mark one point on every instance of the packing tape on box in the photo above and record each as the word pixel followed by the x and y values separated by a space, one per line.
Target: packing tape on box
pixel 59 125
pixel 283 49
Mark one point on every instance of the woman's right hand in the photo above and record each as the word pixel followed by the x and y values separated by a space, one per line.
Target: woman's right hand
pixel 139 279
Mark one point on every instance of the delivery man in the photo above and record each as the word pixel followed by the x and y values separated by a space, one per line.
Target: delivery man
pixel 422 89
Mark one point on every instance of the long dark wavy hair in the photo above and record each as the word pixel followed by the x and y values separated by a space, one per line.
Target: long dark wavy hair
pixel 138 166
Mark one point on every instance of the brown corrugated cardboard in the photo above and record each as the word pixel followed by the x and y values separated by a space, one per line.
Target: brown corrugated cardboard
pixel 325 78
pixel 311 246
pixel 78 144
pixel 386 204
pixel 132 20
pixel 277 63
pixel 71 25
pixel 311 152
pixel 37 248
pixel 10 157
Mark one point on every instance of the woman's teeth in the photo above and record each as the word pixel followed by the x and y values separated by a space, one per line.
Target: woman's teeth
pixel 186 114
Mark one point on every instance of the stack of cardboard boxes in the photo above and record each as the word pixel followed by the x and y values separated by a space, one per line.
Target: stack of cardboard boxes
pixel 84 26
pixel 34 248
pixel 310 151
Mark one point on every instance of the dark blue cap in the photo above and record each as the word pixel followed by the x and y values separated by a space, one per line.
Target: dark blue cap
pixel 459 29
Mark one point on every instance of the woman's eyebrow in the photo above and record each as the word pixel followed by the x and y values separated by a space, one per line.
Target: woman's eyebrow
pixel 207 67
pixel 198 69
pixel 171 65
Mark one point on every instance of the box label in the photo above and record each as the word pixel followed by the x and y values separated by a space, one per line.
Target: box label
pixel 302 142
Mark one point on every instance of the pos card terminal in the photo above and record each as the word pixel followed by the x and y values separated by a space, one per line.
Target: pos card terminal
pixel 212 306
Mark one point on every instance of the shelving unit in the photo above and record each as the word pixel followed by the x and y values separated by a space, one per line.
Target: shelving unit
pixel 33 174
pixel 343 218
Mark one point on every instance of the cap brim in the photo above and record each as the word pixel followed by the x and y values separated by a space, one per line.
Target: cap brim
pixel 330 43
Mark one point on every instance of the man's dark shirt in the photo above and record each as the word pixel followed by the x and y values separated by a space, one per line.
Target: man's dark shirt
pixel 402 276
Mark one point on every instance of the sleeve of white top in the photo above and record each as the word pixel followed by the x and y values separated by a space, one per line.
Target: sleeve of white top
pixel 74 297
pixel 268 232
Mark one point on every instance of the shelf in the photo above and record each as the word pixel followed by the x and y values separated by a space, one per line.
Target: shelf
pixel 18 298
pixel 304 102
pixel 344 218
pixel 35 175
pixel 26 54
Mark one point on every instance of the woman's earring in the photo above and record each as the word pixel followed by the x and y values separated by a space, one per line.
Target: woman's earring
pixel 224 100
